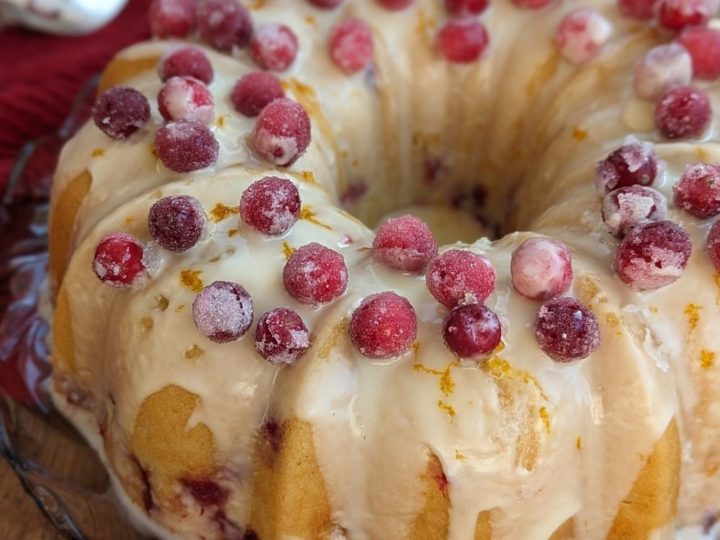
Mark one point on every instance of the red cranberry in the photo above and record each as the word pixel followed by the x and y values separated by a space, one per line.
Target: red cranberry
pixel 713 244
pixel 459 8
pixel 186 146
pixel 185 98
pixel 274 46
pixel 223 311
pixel 351 45
pixel 703 44
pixel 698 191
pixel 281 336
pixel 626 207
pixel 315 274
pixel 176 222
pixel 186 62
pixel 642 10
pixel 653 255
pixel 119 112
pixel 395 5
pixel 118 260
pixel 458 276
pixel 270 205
pixel 462 41
pixel 541 268
pixel 531 4
pixel 678 14
pixel 471 330
pixel 206 492
pixel 405 243
pixel 683 113
pixel 224 24
pixel 633 163
pixel 172 18
pixel 255 91
pixel 383 326
pixel 582 34
pixel 326 4
pixel 282 132
pixel 662 68
pixel 566 330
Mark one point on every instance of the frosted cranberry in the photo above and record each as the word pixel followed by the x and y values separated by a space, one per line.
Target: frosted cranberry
pixel 683 113
pixel 462 41
pixel 472 330
pixel 698 190
pixel 351 45
pixel 628 206
pixel 703 45
pixel 633 163
pixel 531 4
pixel 326 4
pixel 383 326
pixel 223 311
pixel 176 222
pixel 281 336
pixel 314 274
pixel 653 255
pixel 642 10
pixel 186 146
pixel 274 46
pixel 662 68
pixel 118 260
pixel 582 34
pixel 255 91
pixel 541 268
pixel 172 18
pixel 186 62
pixel 713 244
pixel 270 205
pixel 119 112
pixel 185 98
pixel 678 14
pixel 224 24
pixel 282 132
pixel 395 5
pixel 460 8
pixel 404 243
pixel 458 276
pixel 566 330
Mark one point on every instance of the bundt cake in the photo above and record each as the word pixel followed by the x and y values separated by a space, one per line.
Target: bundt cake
pixel 251 360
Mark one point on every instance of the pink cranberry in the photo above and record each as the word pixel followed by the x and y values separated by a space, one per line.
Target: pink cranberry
pixel 176 222
pixel 186 146
pixel 326 4
pixel 281 336
pixel 405 243
pixel 683 113
pixel 282 132
pixel 185 98
pixel 460 8
pixel 713 244
pixel 582 34
pixel 270 205
pixel 255 91
pixel 224 24
pixel 460 276
pixel 626 207
pixel 351 45
pixel 633 163
pixel 698 191
pixel 642 10
pixel 172 18
pixel 541 268
pixel 678 14
pixel 653 255
pixel 703 44
pixel 662 68
pixel 395 5
pixel 531 4
pixel 315 274
pixel 186 62
pixel 383 326
pixel 118 260
pixel 223 311
pixel 119 112
pixel 472 330
pixel 274 47
pixel 462 41
pixel 566 330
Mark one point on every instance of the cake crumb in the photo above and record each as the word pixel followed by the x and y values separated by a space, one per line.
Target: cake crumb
pixel 222 211
pixel 191 280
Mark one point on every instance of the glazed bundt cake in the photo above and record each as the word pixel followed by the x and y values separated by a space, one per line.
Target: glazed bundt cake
pixel 251 360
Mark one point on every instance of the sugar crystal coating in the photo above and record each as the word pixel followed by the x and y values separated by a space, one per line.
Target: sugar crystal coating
pixel 472 330
pixel 176 222
pixel 698 190
pixel 270 205
pixel 582 34
pixel 541 268
pixel 383 326
pixel 703 45
pixel 274 47
pixel 404 243
pixel 254 91
pixel 186 62
pixel 315 274
pixel 460 8
pixel 281 336
pixel 626 207
pixel 713 244
pixel 224 24
pixel 633 163
pixel 459 276
pixel 185 146
pixel 118 260
pixel 679 14
pixel 683 112
pixel 223 311
pixel 119 112
pixel 282 132
pixel 172 18
pixel 186 98
pixel 566 330
pixel 351 45
pixel 662 68
pixel 462 41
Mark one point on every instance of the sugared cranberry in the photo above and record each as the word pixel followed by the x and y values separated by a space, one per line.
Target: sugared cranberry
pixel 662 68
pixel 642 10
pixel 713 244
pixel 172 18
pixel 255 91
pixel 626 207
pixel 541 268
pixel 223 311
pixel 471 330
pixel 326 4
pixel 186 62
pixel 315 274
pixel 281 336
pixel 224 24
pixel 460 8
pixel 531 4
pixel 566 330
pixel 404 243
pixel 683 112
pixel 698 190
pixel 351 45
pixel 185 98
pixel 462 41
pixel 176 222
pixel 186 146
pixel 274 47
pixel 395 5
pixel 653 255
pixel 678 14
pixel 582 34
pixel 282 132
pixel 383 326
pixel 703 45
pixel 118 260
pixel 270 205
pixel 633 163
pixel 458 276
pixel 119 112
